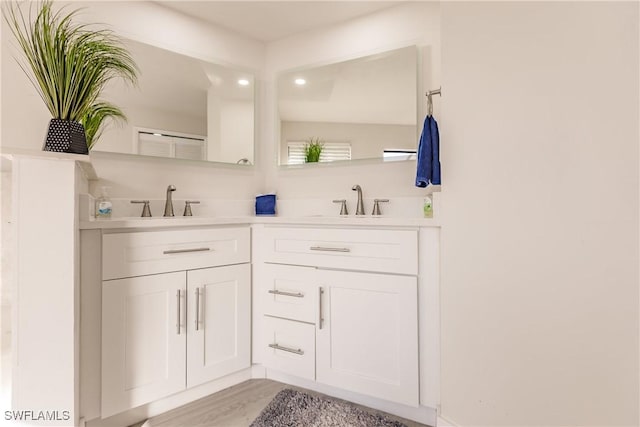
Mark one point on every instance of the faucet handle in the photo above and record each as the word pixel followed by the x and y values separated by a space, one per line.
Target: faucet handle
pixel 146 212
pixel 376 206
pixel 187 207
pixel 343 206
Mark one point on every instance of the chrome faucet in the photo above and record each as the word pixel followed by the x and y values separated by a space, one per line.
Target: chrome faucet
pixel 168 205
pixel 360 206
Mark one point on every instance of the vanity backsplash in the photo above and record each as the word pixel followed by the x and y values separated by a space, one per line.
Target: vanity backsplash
pixel 399 207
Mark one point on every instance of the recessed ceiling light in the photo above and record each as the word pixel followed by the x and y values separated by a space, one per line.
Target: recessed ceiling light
pixel 300 82
pixel 243 82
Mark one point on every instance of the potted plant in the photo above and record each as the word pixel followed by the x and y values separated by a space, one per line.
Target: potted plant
pixel 312 150
pixel 69 65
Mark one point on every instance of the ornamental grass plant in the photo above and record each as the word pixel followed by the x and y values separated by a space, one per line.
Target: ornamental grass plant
pixel 70 64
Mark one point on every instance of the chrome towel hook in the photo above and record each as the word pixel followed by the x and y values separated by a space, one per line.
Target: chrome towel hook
pixel 429 94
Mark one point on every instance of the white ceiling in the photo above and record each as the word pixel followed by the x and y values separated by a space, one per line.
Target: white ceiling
pixel 272 20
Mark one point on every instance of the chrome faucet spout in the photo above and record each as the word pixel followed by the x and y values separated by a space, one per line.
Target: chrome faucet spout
pixel 360 205
pixel 168 205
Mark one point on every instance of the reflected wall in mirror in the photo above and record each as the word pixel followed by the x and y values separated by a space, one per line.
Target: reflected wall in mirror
pixel 363 108
pixel 183 108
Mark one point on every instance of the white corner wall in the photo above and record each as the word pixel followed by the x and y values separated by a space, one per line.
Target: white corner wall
pixel 539 153
pixel 402 25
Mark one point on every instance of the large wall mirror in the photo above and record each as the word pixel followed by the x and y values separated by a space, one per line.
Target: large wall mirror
pixel 365 108
pixel 183 108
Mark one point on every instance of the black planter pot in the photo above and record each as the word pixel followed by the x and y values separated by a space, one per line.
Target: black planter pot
pixel 66 136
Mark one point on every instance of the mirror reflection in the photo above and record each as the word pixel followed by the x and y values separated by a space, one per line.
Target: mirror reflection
pixel 183 108
pixel 363 108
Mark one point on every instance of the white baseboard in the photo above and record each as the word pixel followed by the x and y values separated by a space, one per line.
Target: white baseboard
pixel 258 371
pixel 443 422
pixel 153 409
pixel 421 414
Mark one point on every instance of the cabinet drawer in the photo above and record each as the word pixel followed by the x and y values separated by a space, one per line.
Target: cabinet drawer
pixel 289 292
pixel 150 252
pixel 289 347
pixel 392 251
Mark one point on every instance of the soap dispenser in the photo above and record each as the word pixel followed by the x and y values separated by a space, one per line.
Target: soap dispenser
pixel 428 207
pixel 103 205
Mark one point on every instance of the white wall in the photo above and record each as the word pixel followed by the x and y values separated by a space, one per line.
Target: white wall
pixel 414 23
pixel 540 213
pixel 148 23
pixel 26 118
pixel 403 25
pixel 367 140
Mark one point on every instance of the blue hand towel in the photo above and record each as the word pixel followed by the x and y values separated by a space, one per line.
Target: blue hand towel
pixel 266 204
pixel 428 164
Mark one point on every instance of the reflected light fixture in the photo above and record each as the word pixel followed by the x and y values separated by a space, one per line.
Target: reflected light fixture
pixel 300 82
pixel 243 82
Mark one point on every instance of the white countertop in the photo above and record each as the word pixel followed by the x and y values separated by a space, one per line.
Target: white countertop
pixel 161 222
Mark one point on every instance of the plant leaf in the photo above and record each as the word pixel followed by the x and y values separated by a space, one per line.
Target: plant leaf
pixel 94 120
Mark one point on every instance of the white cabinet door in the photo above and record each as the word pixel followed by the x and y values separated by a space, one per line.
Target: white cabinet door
pixel 219 326
pixel 367 338
pixel 143 340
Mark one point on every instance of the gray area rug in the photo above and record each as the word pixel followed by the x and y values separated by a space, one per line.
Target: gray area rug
pixel 295 408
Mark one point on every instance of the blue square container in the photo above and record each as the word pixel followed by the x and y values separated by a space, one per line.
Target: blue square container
pixel 266 204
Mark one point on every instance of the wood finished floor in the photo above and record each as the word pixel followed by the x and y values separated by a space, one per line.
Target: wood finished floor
pixel 236 406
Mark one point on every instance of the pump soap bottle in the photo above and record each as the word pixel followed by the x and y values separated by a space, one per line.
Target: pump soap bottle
pixel 103 205
pixel 428 207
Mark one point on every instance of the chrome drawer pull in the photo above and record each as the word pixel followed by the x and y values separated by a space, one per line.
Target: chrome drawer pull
pixel 287 349
pixel 178 313
pixel 181 251
pixel 286 294
pixel 324 249
pixel 320 318
pixel 197 309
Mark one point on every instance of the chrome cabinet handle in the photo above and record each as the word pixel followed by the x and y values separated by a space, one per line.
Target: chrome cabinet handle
pixel 320 318
pixel 325 249
pixel 287 294
pixel 178 314
pixel 181 251
pixel 197 308
pixel 287 349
